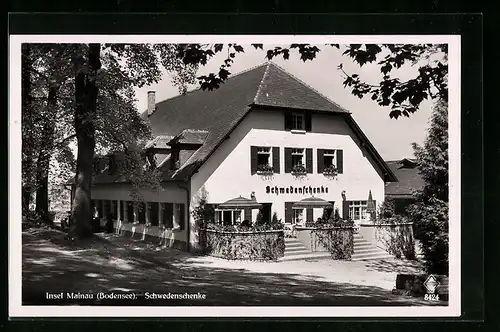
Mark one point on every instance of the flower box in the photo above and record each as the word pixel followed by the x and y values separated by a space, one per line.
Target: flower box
pixel 330 171
pixel 299 170
pixel 265 170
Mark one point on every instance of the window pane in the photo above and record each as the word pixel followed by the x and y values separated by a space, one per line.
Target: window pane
pixel 262 159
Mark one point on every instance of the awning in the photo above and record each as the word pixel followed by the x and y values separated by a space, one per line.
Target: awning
pixel 311 203
pixel 239 203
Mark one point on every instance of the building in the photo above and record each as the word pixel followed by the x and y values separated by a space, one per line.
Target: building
pixel 245 139
pixel 409 181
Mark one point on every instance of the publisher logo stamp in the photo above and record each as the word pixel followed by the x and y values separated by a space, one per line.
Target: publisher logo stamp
pixel 431 284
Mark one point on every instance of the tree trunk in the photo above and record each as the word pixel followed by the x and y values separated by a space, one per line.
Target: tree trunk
pixel 43 162
pixel 86 92
pixel 27 126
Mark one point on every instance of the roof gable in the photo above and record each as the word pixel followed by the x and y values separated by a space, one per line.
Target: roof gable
pixel 279 88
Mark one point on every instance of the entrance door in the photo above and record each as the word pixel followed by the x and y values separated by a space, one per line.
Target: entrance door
pixel 266 212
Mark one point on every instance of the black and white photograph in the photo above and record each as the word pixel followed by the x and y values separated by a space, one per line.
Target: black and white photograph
pixel 234 175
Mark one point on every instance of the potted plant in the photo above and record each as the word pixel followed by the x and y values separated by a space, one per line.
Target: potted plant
pixel 330 171
pixel 265 169
pixel 299 170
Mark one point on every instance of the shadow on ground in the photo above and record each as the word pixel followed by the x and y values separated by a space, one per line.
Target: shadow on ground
pixel 53 264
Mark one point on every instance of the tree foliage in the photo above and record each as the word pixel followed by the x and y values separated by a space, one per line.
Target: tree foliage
pixel 430 213
pixel 402 96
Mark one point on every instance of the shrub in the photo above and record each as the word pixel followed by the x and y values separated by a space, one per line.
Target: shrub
pixel 336 216
pixel 387 209
pixel 259 220
pixel 432 220
pixel 275 220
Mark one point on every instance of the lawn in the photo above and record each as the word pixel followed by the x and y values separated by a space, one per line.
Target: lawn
pixel 110 263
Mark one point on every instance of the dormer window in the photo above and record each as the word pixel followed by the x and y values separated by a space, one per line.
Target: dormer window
pixel 300 122
pixel 174 156
pixel 297 121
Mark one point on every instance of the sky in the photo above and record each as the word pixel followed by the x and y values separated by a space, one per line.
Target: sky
pixel 392 138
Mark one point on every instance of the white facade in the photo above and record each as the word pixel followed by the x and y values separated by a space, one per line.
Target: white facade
pixel 227 173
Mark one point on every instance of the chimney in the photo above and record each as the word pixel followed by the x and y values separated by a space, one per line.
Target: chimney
pixel 151 102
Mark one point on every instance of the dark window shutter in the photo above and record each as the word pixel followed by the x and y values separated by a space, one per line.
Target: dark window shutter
pixel 345 210
pixel 308 121
pixel 276 159
pixel 248 214
pixel 321 161
pixel 288 160
pixel 340 161
pixel 309 160
pixel 115 209
pixel 288 121
pixel 309 215
pixel 288 212
pixel 168 214
pixel 153 216
pixel 253 159
pixel 182 217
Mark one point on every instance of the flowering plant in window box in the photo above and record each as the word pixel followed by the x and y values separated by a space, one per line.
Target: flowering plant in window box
pixel 330 171
pixel 148 224
pixel 265 169
pixel 299 170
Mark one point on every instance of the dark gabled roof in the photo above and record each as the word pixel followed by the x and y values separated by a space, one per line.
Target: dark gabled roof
pixel 159 142
pixel 215 114
pixel 190 136
pixel 409 178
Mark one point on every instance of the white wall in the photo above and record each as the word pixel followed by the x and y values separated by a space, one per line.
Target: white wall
pixel 227 174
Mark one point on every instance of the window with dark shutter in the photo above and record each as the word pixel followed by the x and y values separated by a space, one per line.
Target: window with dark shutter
pixel 309 160
pixel 321 164
pixel 345 210
pixel 340 161
pixel 308 121
pixel 168 214
pixel 288 212
pixel 288 160
pixel 276 159
pixel 288 121
pixel 253 159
